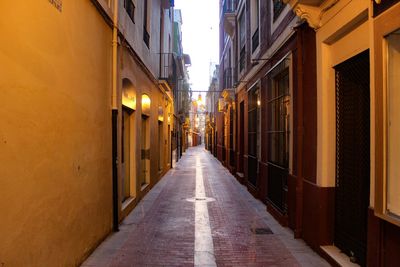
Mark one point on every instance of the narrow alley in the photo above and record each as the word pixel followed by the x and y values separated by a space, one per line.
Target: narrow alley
pixel 200 133
pixel 199 215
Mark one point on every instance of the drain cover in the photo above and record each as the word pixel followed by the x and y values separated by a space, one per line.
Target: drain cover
pixel 200 199
pixel 262 231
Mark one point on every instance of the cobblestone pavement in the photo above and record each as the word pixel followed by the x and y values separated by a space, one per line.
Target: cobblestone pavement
pixel 199 215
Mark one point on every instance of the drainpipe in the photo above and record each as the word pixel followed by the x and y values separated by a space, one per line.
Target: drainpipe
pixel 115 117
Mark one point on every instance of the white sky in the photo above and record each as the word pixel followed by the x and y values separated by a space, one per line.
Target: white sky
pixel 200 38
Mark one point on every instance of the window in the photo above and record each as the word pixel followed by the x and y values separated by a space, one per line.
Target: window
pixel 146 23
pixel 242 41
pixel 278 134
pixel 278 7
pixel 393 124
pixel 279 115
pixel 254 133
pixel 229 6
pixel 255 11
pixel 130 9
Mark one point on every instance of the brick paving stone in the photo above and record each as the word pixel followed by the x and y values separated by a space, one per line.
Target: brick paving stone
pixel 161 229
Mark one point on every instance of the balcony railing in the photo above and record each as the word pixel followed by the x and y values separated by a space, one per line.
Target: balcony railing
pixel 167 68
pixel 227 79
pixel 228 6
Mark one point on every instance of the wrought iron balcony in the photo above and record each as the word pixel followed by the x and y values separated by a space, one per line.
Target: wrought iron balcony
pixel 229 6
pixel 229 13
pixel 227 78
pixel 167 70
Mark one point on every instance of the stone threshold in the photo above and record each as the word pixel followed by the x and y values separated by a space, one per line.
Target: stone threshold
pixel 337 257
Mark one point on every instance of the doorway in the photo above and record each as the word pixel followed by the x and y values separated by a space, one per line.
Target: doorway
pixel 352 156
pixel 169 149
pixel 241 137
pixel 231 139
pixel 127 154
pixel 145 152
pixel 161 146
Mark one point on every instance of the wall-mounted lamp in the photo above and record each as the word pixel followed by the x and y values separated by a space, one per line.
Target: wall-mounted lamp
pixel 146 104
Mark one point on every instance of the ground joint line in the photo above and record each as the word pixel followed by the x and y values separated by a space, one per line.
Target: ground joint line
pixel 203 244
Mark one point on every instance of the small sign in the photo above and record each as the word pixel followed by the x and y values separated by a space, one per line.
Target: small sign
pixel 57 4
pixel 160 113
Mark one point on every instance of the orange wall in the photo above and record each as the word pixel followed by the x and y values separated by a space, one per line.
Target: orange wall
pixel 55 148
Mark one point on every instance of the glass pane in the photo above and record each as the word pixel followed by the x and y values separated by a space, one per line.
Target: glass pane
pixel 278 149
pixel 252 144
pixel 393 83
pixel 242 29
pixel 279 118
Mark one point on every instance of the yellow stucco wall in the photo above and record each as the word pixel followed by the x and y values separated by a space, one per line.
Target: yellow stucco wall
pixel 142 84
pixel 55 132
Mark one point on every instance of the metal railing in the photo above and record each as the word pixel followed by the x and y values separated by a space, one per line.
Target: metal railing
pixel 227 79
pixel 228 6
pixel 167 69
pixel 166 66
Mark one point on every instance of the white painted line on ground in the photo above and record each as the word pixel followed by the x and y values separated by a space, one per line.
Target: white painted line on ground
pixel 203 244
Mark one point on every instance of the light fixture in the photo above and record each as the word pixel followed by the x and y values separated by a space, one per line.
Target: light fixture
pixel 146 104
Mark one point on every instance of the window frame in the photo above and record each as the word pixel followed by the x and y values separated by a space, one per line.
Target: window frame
pixel 283 65
pixel 276 12
pixel 146 22
pixel 131 15
pixel 255 25
pixel 383 25
pixel 242 41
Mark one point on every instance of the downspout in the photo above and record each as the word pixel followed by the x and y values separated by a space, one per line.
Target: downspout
pixel 115 117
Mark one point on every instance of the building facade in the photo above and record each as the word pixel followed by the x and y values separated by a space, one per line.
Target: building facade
pixel 266 99
pixel 212 97
pixel 181 92
pixel 319 150
pixel 93 127
pixel 357 52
